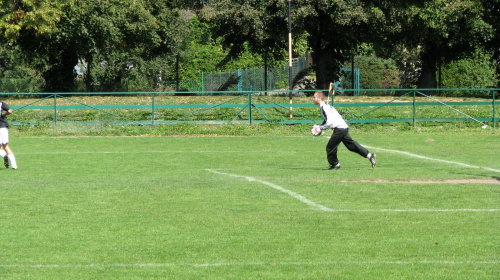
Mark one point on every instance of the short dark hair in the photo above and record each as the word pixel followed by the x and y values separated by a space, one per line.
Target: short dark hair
pixel 320 94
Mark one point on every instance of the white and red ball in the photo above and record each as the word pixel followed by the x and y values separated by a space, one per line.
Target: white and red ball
pixel 316 130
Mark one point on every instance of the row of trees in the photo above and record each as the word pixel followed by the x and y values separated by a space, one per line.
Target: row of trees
pixel 145 41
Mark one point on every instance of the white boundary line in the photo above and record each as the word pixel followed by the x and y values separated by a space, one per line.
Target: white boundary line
pixel 127 152
pixel 146 265
pixel 326 209
pixel 433 159
pixel 276 187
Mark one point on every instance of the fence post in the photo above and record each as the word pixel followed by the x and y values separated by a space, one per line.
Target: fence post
pixel 55 108
pixel 250 108
pixel 494 112
pixel 153 109
pixel 202 83
pixel 356 84
pixel 240 82
pixel 177 73
pixel 414 110
pixel 254 81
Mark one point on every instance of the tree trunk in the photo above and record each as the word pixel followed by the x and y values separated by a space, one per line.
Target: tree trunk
pixel 427 77
pixel 325 68
pixel 88 74
pixel 61 76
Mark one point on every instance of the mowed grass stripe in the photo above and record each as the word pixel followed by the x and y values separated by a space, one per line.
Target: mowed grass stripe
pixel 201 265
pixel 134 214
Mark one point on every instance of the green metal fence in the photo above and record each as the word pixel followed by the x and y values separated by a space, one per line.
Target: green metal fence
pixel 150 108
pixel 253 79
pixel 260 79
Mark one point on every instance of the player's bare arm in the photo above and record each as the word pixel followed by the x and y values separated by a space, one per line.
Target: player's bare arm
pixel 6 113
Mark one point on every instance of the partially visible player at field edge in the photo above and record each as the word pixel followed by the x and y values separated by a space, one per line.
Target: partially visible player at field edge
pixel 6 152
pixel 332 119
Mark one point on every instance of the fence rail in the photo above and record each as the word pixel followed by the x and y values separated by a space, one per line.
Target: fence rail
pixel 254 107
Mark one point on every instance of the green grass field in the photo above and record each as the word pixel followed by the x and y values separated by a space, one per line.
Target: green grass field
pixel 251 208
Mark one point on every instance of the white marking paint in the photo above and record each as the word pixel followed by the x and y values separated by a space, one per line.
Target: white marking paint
pixel 326 209
pixel 131 152
pixel 432 159
pixel 276 187
pixel 415 210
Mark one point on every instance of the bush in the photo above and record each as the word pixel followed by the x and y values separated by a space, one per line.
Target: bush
pixel 375 73
pixel 477 71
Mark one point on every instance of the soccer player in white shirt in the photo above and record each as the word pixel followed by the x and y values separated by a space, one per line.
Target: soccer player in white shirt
pixel 332 119
pixel 6 152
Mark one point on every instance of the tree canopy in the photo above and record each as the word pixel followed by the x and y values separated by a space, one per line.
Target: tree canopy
pixel 56 34
pixel 440 30
pixel 113 38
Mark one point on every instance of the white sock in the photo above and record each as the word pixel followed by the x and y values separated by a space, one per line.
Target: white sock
pixel 369 155
pixel 2 153
pixel 12 159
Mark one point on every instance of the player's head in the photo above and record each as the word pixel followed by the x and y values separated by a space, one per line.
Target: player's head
pixel 318 97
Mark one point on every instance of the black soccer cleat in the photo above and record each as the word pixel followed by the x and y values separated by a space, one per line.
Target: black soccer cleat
pixel 6 161
pixel 334 167
pixel 373 160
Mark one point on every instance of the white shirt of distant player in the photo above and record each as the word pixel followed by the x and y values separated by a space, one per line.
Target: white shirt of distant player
pixel 332 117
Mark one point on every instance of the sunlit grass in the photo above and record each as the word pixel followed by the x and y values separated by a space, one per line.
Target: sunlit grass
pixel 149 207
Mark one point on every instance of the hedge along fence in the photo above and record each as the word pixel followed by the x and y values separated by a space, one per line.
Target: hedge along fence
pixel 151 108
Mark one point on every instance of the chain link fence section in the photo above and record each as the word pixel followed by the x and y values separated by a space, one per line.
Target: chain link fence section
pixel 254 79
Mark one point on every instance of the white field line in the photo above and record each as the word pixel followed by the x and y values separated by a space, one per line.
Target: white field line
pixel 326 209
pixel 276 187
pixel 432 159
pixel 130 152
pixel 416 210
pixel 228 264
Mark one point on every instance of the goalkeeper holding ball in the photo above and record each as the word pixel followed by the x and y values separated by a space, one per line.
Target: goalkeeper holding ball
pixel 332 119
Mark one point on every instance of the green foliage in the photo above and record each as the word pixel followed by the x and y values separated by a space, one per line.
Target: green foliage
pixel 441 30
pixel 258 23
pixel 15 74
pixel 202 53
pixel 375 73
pixel 333 28
pixel 11 82
pixel 39 18
pixel 246 59
pixel 133 47
pixel 478 71
pixel 52 36
pixel 121 72
pixel 57 34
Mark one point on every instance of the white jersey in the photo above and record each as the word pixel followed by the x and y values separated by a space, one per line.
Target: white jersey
pixel 332 118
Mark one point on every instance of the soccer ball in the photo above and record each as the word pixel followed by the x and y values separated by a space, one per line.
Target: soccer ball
pixel 316 130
